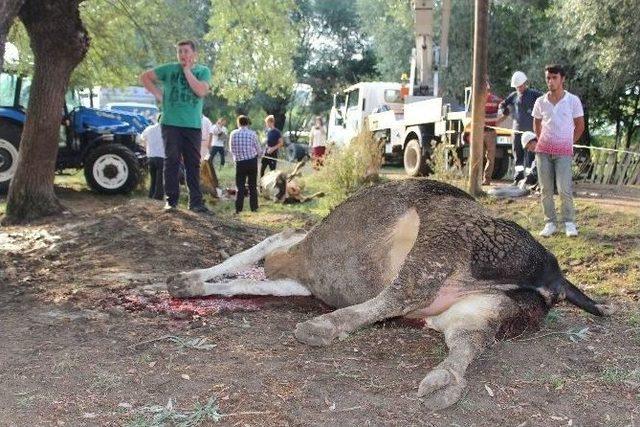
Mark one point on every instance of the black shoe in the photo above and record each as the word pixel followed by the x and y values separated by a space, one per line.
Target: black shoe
pixel 168 207
pixel 200 209
pixel 519 177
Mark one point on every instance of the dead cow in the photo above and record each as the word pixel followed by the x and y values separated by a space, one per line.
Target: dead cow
pixel 280 186
pixel 415 248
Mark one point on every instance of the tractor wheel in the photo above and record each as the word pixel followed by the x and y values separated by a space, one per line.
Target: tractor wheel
pixel 10 133
pixel 112 169
pixel 415 162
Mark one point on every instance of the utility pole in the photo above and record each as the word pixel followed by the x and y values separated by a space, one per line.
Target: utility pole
pixel 480 53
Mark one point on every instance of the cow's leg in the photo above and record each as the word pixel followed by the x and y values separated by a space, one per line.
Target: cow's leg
pixel 321 330
pixel 404 295
pixel 191 283
pixel 278 287
pixel 469 327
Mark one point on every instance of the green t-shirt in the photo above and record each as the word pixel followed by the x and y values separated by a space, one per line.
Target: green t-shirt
pixel 180 105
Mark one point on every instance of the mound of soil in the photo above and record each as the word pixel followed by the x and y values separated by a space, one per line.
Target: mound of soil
pixel 117 249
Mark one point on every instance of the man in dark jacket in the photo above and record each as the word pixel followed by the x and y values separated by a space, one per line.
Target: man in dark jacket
pixel 520 102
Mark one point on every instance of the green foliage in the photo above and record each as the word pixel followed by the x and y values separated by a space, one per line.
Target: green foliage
pixel 446 165
pixel 348 168
pixel 258 50
pixel 157 415
pixel 389 24
pixel 333 53
pixel 127 37
pixel 253 43
pixel 599 43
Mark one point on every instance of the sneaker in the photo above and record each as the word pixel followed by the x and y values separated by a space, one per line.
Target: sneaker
pixel 548 230
pixel 170 208
pixel 200 209
pixel 570 229
pixel 516 179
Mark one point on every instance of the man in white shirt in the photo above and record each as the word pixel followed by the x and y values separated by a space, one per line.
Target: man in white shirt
pixel 207 128
pixel 219 135
pixel 558 122
pixel 152 137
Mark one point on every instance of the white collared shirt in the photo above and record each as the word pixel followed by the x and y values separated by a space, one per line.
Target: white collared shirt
pixel 556 135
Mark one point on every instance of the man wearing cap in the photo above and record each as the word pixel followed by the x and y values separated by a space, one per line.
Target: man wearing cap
pixel 520 102
pixel 529 141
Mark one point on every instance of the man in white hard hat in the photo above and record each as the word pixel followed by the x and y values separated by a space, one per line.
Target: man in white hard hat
pixel 520 102
pixel 529 141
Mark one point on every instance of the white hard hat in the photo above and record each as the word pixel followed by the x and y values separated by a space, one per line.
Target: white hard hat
pixel 526 138
pixel 518 78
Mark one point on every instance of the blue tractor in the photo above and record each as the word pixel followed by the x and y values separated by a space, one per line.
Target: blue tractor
pixel 105 143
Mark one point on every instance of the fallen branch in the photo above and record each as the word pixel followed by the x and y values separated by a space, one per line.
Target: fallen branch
pixel 353 408
pixel 164 337
pixel 239 414
pixel 573 334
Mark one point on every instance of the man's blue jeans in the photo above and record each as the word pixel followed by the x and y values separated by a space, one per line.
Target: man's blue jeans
pixel 556 168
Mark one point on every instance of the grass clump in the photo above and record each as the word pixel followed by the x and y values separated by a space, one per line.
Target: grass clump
pixel 348 168
pixel 158 415
pixel 446 165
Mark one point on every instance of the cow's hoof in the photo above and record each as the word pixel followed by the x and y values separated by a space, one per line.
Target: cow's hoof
pixel 441 388
pixel 185 285
pixel 316 332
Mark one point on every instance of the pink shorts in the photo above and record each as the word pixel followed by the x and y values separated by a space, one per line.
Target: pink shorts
pixel 318 151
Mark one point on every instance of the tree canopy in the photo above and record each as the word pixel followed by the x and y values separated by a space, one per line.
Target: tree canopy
pixel 259 50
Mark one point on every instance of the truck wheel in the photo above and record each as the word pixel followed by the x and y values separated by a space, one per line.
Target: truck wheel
pixel 415 162
pixel 501 166
pixel 112 169
pixel 10 133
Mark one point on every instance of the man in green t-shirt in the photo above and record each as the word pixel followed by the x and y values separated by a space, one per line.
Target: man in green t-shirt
pixel 183 85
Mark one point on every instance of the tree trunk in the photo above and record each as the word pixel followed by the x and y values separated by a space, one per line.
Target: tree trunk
pixel 8 11
pixel 59 42
pixel 631 122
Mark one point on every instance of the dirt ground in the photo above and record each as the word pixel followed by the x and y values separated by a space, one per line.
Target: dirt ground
pixel 90 337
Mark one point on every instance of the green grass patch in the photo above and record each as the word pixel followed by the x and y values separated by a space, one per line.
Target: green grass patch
pixel 604 259
pixel 157 415
pixel 618 375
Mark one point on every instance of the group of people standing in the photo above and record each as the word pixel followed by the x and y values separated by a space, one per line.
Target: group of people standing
pixel 545 128
pixel 183 136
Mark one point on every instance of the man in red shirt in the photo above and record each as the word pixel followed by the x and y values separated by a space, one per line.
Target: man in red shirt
pixel 489 137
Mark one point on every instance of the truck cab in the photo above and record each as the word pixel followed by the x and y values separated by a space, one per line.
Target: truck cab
pixel 351 108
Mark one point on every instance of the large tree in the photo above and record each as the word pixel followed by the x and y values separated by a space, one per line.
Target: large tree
pixel 59 41
pixel 389 24
pixel 253 43
pixel 333 52
pixel 598 40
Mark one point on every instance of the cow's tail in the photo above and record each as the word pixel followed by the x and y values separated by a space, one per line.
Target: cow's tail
pixel 576 297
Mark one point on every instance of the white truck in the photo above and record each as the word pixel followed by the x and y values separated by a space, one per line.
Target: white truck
pixel 410 123
pixel 408 128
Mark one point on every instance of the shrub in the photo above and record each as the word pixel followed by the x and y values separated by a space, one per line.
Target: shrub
pixel 446 164
pixel 348 168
